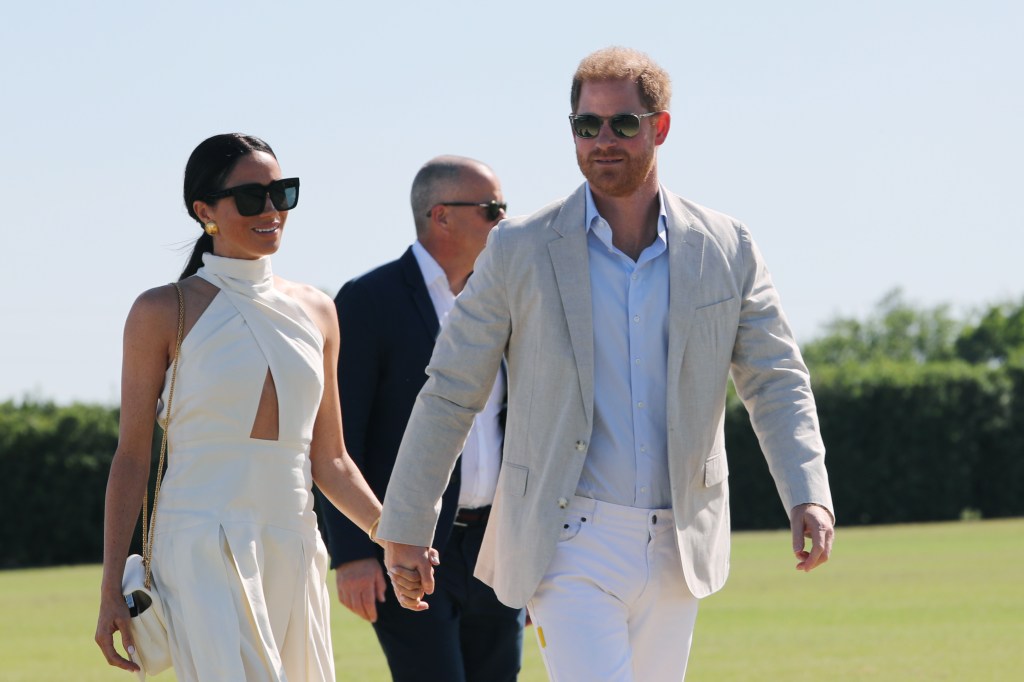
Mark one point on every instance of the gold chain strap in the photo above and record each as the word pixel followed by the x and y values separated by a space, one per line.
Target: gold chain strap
pixel 148 525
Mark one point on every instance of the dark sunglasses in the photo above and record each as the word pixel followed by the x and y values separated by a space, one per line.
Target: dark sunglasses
pixel 494 209
pixel 251 199
pixel 623 125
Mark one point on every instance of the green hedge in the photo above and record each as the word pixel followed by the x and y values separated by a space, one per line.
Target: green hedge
pixel 906 442
pixel 54 463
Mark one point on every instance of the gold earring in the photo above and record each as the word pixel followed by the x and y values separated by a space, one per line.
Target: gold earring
pixel 211 228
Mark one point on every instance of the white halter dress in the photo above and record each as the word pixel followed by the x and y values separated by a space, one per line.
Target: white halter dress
pixel 237 558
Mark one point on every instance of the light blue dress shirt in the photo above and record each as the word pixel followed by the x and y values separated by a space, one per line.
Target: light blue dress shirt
pixel 627 462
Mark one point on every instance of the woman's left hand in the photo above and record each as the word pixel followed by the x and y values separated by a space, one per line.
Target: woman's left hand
pixel 114 617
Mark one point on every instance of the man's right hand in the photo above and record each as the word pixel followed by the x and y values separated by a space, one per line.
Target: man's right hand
pixel 412 573
pixel 360 586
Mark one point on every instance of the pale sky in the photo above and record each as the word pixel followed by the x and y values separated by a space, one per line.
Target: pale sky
pixel 867 145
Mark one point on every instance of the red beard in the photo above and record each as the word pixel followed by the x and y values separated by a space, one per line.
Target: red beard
pixel 619 179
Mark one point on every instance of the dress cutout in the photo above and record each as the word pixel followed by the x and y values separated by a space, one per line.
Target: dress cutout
pixel 237 556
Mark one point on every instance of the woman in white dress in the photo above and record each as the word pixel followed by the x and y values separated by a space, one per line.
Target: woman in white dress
pixel 255 421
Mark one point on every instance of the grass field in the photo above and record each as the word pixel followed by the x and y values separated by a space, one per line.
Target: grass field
pixel 917 602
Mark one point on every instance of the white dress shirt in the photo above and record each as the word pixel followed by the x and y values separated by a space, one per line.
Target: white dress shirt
pixel 481 455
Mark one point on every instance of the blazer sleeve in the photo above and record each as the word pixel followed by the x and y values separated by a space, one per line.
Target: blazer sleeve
pixel 461 373
pixel 358 367
pixel 773 382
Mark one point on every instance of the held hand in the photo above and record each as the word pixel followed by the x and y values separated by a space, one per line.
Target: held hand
pixel 360 586
pixel 114 617
pixel 814 522
pixel 411 569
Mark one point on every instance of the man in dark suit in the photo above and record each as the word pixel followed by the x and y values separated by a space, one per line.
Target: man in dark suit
pixel 389 319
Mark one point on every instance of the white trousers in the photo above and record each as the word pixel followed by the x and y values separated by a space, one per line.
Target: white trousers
pixel 614 605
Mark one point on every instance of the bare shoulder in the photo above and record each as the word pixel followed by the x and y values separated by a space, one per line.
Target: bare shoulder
pixel 155 308
pixel 151 327
pixel 317 304
pixel 198 288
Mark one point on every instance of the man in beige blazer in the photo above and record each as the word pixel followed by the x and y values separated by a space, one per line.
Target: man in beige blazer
pixel 621 310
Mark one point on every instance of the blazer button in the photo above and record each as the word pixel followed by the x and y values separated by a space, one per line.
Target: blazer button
pixel 581 446
pixel 562 503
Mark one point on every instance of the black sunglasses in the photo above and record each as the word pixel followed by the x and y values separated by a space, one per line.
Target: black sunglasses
pixel 623 125
pixel 251 199
pixel 494 209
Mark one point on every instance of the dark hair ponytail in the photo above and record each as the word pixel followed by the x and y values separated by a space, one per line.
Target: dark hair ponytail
pixel 207 168
pixel 195 260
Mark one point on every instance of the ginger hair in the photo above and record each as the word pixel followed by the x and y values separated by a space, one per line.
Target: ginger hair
pixel 623 63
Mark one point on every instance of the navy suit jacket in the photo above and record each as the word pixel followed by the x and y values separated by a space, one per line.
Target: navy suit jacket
pixel 388 328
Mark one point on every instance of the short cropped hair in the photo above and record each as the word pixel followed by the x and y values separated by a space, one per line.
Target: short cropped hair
pixel 623 63
pixel 437 177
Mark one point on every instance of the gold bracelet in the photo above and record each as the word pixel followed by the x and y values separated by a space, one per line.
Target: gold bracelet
pixel 373 530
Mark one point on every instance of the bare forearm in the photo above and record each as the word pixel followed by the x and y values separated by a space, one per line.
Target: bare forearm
pixel 344 486
pixel 125 486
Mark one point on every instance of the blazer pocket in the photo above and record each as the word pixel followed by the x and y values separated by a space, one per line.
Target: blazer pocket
pixel 716 470
pixel 713 310
pixel 513 478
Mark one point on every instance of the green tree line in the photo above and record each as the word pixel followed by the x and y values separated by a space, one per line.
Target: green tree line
pixel 920 412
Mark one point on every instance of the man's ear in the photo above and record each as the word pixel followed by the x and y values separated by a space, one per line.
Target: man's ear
pixel 662 125
pixel 439 214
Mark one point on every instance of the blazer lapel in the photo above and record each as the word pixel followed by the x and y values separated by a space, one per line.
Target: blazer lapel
pixel 686 258
pixel 418 291
pixel 571 263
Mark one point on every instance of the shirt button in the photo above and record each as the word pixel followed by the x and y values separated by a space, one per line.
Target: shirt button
pixel 581 446
pixel 562 503
pixel 635 275
pixel 640 404
pixel 636 318
pixel 637 361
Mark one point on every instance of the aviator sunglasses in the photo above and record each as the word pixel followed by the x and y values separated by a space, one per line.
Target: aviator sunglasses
pixel 251 199
pixel 494 209
pixel 623 125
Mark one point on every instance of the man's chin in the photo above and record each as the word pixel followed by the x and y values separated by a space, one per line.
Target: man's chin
pixel 617 187
pixel 614 182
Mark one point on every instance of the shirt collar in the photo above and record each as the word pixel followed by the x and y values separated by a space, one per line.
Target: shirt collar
pixel 433 274
pixel 602 230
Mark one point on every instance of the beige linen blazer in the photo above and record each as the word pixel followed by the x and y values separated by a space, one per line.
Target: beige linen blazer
pixel 529 300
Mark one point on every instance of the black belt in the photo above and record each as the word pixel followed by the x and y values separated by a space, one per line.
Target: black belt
pixel 473 517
